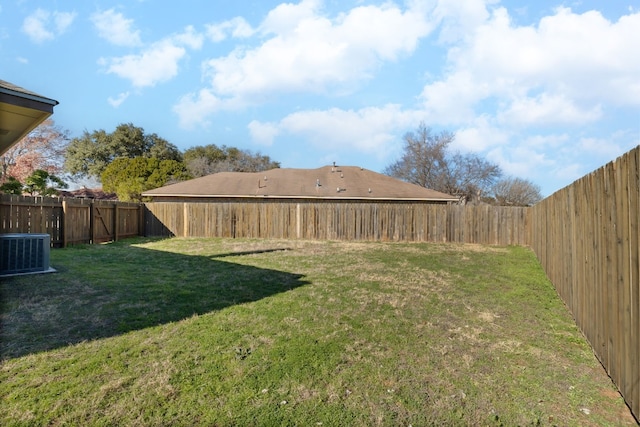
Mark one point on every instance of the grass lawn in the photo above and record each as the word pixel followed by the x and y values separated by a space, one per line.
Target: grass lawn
pixel 286 332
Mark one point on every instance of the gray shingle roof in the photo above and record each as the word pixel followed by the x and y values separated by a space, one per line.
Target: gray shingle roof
pixel 328 182
pixel 17 90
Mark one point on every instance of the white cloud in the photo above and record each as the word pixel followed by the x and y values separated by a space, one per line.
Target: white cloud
pixel 190 38
pixel 115 102
pixel 43 25
pixel 522 161
pixel 371 130
pixel 236 27
pixel 156 64
pixel 115 28
pixel 263 133
pixel 63 20
pixel 194 109
pixel 548 109
pixel 480 135
pixel 460 19
pixel 558 72
pixel 286 17
pixel 451 101
pixel 304 51
pixel 609 147
pixel 504 81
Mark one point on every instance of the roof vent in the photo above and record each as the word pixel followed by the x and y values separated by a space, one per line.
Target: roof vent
pixel 318 183
pixel 369 190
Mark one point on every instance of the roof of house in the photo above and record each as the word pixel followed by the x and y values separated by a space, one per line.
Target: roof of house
pixel 328 182
pixel 20 112
pixel 89 193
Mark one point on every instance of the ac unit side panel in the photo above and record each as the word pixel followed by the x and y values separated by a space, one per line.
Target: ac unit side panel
pixel 24 253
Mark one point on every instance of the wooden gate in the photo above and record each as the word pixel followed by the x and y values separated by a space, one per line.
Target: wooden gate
pixel 103 224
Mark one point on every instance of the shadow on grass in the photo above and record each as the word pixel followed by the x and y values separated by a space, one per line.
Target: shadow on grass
pixel 106 290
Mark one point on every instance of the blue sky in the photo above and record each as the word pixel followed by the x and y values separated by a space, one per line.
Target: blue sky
pixel 548 90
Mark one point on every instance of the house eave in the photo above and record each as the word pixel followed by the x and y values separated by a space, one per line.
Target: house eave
pixel 21 111
pixel 26 96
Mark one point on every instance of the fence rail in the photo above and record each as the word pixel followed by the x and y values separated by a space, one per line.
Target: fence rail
pixel 339 221
pixel 70 221
pixel 586 237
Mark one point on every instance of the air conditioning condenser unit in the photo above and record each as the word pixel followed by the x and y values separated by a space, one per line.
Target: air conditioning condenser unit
pixel 24 254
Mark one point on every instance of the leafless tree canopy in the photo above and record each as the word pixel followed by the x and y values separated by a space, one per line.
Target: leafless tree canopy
pixel 512 191
pixel 43 148
pixel 427 161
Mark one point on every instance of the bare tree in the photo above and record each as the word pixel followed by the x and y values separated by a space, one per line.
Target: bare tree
pixel 512 191
pixel 428 161
pixel 42 149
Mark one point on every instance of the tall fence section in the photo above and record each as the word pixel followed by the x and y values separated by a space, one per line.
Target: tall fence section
pixel 71 221
pixel 339 221
pixel 586 236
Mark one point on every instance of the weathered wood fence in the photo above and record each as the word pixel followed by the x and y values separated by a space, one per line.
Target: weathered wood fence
pixel 339 221
pixel 70 221
pixel 587 238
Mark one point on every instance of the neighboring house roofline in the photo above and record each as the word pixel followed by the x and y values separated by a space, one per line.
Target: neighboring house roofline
pixel 266 196
pixel 325 183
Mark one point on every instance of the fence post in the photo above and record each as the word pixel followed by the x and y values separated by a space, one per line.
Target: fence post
pixel 298 220
pixel 116 215
pixel 185 220
pixel 92 222
pixel 142 228
pixel 65 237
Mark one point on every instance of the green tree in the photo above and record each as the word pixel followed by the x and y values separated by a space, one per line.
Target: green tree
pixel 428 161
pixel 208 159
pixel 12 186
pixel 42 183
pixel 90 154
pixel 130 177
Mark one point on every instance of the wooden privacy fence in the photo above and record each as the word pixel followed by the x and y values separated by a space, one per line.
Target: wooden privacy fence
pixel 586 237
pixel 70 221
pixel 401 221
